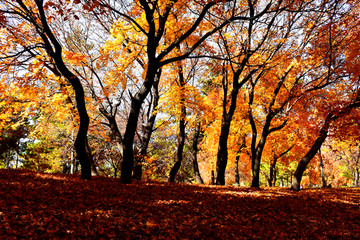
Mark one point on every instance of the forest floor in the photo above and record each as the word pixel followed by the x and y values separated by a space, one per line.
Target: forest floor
pixel 57 206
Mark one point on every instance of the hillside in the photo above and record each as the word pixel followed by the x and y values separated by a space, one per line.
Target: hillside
pixel 49 206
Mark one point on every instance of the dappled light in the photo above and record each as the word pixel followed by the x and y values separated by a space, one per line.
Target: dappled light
pixel 52 206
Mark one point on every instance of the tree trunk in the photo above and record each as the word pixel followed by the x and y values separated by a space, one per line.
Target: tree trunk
pixel 237 159
pixel 256 156
pixel 94 171
pixel 131 126
pixel 222 155
pixel 309 155
pixel 147 131
pixel 237 175
pixel 54 49
pixel 356 177
pixel 179 153
pixel 272 173
pixel 181 135
pixel 198 178
pixel 331 117
pixel 273 166
pixel 323 180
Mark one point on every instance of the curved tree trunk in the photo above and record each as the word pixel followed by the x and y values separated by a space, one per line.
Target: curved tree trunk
pixel 54 49
pixel 296 180
pixel 331 117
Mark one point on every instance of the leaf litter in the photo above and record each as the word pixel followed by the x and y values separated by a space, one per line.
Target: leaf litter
pixel 57 206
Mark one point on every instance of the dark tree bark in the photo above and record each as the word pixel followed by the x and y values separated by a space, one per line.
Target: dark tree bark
pixel 148 129
pixel 222 155
pixel 237 159
pixel 330 118
pixel 154 35
pixel 356 177
pixel 237 174
pixel 155 62
pixel 94 171
pixel 272 174
pixel 54 49
pixel 323 180
pixel 257 149
pixel 248 51
pixel 355 159
pixel 195 149
pixel 181 135
pixel 309 155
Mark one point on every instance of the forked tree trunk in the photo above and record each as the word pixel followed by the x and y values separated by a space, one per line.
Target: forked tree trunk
pixel 227 115
pixel 147 131
pixel 272 174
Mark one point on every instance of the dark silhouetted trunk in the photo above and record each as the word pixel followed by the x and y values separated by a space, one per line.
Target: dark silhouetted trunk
pixel 330 118
pixel 147 130
pixel 128 157
pixel 179 152
pixel 296 181
pixel 54 49
pixel 257 150
pixel 195 149
pixel 272 175
pixel 237 175
pixel 237 159
pixel 181 134
pixel 222 155
pixel 94 171
pixel 323 180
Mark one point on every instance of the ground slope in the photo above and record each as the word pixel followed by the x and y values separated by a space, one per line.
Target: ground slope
pixel 50 206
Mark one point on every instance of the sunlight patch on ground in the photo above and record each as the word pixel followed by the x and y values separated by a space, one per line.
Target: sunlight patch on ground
pixel 100 213
pixel 169 202
pixel 345 202
pixel 248 194
pixel 49 176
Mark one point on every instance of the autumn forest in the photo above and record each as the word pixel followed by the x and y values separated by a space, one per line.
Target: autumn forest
pixel 247 93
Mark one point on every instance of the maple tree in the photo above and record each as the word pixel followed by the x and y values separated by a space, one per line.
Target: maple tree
pixel 152 21
pixel 334 38
pixel 237 90
pixel 28 24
